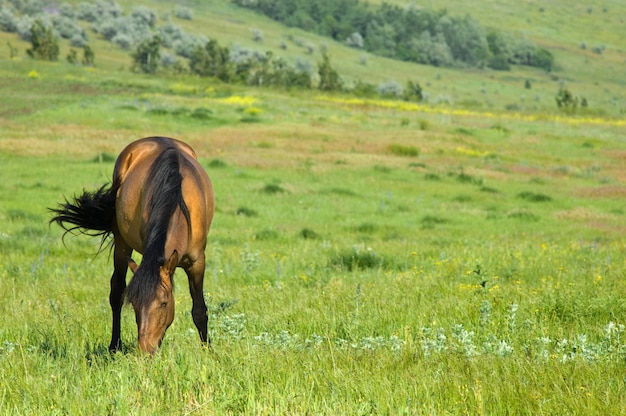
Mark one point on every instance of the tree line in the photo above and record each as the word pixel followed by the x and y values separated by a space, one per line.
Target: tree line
pixel 410 33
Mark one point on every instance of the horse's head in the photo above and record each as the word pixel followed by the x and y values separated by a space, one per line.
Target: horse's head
pixel 154 314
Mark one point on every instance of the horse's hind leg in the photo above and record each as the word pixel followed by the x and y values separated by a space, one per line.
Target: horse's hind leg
pixel 195 273
pixel 121 254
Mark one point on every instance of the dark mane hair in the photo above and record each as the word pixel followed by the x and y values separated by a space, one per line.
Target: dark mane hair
pixel 165 196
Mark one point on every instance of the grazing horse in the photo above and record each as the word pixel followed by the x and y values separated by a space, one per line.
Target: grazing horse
pixel 159 204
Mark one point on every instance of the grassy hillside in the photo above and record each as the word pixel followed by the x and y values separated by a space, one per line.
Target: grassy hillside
pixel 558 26
pixel 366 257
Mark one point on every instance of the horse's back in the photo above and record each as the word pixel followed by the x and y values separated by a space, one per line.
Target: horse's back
pixel 131 172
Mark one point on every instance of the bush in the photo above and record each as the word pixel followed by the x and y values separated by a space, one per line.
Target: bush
pixel 355 40
pixel 257 35
pixel 364 89
pixel 72 57
pixel 544 59
pixel 402 150
pixel 390 89
pixel 534 197
pixel 67 27
pixel 29 7
pixel 44 44
pixel 122 40
pixel 183 12
pixel 168 60
pixel 78 40
pixel 143 16
pixel 356 259
pixel 24 27
pixel 170 33
pixel 8 21
pixel 187 44
pixel 499 63
pixel 212 60
pixel 99 11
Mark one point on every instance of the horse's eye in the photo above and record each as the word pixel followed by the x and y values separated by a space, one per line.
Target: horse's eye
pixel 164 305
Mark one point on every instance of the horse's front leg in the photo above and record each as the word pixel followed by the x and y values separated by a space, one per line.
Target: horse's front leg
pixel 121 254
pixel 195 273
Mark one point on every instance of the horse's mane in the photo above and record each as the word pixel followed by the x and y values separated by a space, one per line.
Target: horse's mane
pixel 165 195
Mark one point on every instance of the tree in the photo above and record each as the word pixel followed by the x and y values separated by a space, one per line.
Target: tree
pixel 566 101
pixel 412 92
pixel 329 77
pixel 89 56
pixel 212 60
pixel 147 56
pixel 44 44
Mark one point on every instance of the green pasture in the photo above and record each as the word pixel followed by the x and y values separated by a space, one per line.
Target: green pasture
pixel 365 257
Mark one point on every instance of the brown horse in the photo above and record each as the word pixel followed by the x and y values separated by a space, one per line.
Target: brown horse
pixel 159 204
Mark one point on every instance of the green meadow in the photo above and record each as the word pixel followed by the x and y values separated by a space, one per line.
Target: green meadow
pixel 366 257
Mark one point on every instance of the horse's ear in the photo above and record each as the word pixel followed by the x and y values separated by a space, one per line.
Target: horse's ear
pixel 171 264
pixel 133 266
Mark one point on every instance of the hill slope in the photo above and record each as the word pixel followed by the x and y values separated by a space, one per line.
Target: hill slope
pixel 594 72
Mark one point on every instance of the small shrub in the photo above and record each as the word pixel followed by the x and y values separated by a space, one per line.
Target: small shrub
pixel 104 157
pixel 382 169
pixel 464 131
pixel 402 150
pixel 489 190
pixel 216 164
pixel 523 214
pixel 246 212
pixel 143 16
pixel 72 57
pixel 462 198
pixel 309 234
pixel 534 197
pixel 598 49
pixel 501 128
pixel 466 178
pixel 366 228
pixel 356 259
pixel 430 221
pixel 8 21
pixel 342 192
pixel 183 12
pixel 355 40
pixel 272 188
pixel 266 234
pixel 12 50
pixel 364 89
pixel 201 113
pixel 432 177
pixel 257 35
pixel 390 89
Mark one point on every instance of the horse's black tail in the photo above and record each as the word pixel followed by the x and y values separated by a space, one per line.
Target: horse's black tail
pixel 92 213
